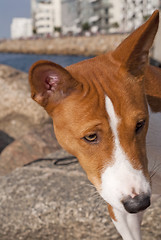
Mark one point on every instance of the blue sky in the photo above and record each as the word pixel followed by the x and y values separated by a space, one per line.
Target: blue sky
pixel 10 9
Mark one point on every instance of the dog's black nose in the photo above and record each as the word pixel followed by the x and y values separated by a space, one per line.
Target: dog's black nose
pixel 138 203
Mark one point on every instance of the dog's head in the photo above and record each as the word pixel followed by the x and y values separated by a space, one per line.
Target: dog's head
pixel 100 115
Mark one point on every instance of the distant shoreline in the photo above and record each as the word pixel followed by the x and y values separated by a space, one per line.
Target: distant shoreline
pixel 87 46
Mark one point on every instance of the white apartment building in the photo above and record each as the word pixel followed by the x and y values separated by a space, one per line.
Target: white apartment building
pixel 70 13
pixel 79 13
pixel 127 15
pixel 106 16
pixel 21 28
pixel 103 16
pixel 46 16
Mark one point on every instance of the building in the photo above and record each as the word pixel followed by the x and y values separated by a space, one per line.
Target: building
pixel 106 16
pixel 99 17
pixel 127 15
pixel 156 49
pixel 21 28
pixel 89 16
pixel 80 15
pixel 46 16
pixel 69 16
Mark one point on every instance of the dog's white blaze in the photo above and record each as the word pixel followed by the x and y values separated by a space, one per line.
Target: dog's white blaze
pixel 120 179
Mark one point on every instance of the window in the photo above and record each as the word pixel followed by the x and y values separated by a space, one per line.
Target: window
pixel 106 11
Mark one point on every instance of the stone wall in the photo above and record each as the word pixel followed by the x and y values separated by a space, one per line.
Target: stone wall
pixel 68 45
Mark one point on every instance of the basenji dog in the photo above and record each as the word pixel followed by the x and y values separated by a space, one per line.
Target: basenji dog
pixel 106 111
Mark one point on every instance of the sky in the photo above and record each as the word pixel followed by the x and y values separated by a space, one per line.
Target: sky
pixel 10 9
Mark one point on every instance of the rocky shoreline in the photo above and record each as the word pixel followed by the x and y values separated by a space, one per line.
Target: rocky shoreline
pixel 41 200
pixel 87 46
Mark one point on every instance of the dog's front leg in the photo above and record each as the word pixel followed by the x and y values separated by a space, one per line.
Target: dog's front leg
pixel 128 225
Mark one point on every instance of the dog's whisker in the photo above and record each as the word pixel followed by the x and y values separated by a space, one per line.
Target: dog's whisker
pixel 155 170
pixel 91 185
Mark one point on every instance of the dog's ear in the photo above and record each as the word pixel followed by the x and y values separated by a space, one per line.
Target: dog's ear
pixel 50 83
pixel 133 52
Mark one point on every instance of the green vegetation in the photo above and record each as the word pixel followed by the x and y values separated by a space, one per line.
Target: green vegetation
pixel 85 27
pixel 146 17
pixel 57 29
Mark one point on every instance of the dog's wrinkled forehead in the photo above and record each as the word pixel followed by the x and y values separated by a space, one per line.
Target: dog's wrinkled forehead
pixel 102 77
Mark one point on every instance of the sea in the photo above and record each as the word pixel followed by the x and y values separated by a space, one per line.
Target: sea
pixel 24 61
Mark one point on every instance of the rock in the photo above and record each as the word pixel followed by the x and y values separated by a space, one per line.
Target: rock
pixel 33 145
pixel 47 202
pixel 5 140
pixel 17 109
pixel 18 125
pixel 51 203
pixel 23 120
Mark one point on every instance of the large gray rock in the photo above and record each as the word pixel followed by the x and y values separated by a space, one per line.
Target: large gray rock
pixel 22 120
pixel 37 143
pixel 47 202
pixel 18 112
pixel 43 201
pixel 5 140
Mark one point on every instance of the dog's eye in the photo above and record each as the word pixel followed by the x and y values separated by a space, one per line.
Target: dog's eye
pixel 92 138
pixel 139 126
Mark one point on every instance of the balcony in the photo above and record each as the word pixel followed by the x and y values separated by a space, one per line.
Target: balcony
pixel 44 1
pixel 93 1
pixel 94 19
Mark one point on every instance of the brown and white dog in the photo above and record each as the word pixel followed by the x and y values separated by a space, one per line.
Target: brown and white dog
pixel 107 112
